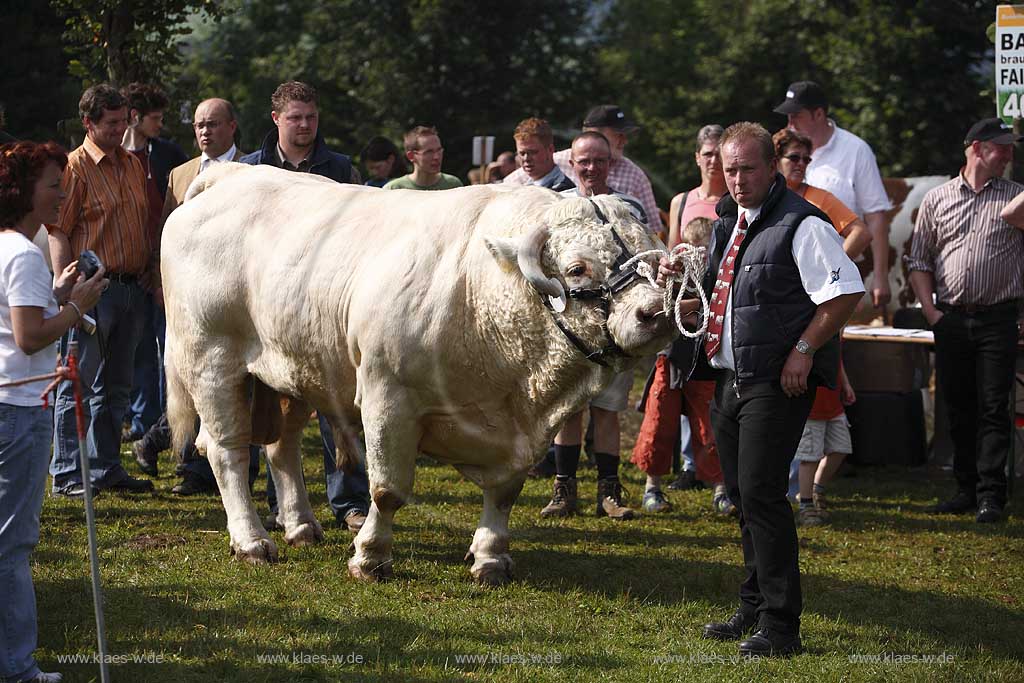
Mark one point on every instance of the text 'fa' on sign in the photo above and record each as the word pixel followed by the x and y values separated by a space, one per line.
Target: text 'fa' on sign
pixel 1010 62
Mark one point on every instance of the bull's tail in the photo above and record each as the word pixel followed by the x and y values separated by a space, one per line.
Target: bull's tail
pixel 181 410
pixel 211 176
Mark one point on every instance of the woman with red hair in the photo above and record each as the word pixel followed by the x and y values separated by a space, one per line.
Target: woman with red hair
pixel 35 310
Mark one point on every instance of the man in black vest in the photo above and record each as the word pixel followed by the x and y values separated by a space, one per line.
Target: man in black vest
pixel 780 288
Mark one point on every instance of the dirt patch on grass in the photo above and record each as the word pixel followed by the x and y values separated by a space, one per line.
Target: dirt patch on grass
pixel 154 541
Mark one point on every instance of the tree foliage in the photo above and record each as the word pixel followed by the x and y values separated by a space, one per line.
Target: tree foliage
pixel 383 67
pixel 908 76
pixel 121 41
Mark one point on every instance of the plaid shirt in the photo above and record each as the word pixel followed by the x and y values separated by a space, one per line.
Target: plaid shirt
pixel 623 175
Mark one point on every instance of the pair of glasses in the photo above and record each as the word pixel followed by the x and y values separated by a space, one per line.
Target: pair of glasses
pixel 797 158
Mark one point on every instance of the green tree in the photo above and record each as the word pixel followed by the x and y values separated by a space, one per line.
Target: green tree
pixel 120 41
pixel 907 76
pixel 383 67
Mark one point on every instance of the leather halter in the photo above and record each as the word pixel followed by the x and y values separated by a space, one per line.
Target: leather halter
pixel 604 294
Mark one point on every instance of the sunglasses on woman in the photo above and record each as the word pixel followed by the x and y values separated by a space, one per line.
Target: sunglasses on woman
pixel 797 158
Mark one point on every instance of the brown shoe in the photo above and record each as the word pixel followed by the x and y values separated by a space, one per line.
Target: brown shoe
pixel 354 521
pixel 819 501
pixel 563 499
pixel 609 500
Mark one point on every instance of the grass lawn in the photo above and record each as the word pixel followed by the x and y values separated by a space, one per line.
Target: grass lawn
pixel 593 600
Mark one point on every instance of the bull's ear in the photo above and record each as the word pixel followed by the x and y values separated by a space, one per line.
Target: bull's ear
pixel 505 251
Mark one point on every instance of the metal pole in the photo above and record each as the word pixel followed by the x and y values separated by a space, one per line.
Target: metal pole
pixel 90 519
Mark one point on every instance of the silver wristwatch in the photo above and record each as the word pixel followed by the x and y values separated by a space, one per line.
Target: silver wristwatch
pixel 804 348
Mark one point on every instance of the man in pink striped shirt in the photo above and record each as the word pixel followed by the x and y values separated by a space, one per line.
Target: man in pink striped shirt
pixel 625 176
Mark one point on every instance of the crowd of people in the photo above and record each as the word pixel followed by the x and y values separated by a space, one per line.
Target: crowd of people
pixel 754 409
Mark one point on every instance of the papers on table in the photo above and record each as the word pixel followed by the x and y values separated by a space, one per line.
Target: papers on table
pixel 890 332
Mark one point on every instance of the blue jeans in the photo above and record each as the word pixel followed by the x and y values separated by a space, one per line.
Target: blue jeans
pixel 148 381
pixel 345 492
pixel 106 376
pixel 25 435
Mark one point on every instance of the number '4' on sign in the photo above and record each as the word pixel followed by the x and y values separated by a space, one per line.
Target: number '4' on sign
pixel 1012 106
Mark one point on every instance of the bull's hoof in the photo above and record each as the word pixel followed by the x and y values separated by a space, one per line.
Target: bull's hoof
pixel 260 551
pixel 371 571
pixel 496 571
pixel 308 533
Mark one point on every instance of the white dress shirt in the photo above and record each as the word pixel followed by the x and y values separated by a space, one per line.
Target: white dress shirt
pixel 205 160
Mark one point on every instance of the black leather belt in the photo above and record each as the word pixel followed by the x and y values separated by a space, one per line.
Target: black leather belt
pixel 123 278
pixel 978 309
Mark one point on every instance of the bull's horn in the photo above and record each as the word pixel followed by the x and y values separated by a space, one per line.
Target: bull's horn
pixel 529 263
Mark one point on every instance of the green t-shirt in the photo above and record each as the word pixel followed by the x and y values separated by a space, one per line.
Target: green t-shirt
pixel 445 182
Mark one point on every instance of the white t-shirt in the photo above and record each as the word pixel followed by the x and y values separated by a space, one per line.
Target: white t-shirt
pixel 825 271
pixel 24 281
pixel 846 167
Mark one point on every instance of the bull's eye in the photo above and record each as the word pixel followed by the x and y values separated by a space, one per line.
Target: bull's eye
pixel 576 270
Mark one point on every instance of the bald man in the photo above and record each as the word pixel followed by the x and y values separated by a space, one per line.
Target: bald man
pixel 214 124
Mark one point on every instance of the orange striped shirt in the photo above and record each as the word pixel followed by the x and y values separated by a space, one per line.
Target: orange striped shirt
pixel 106 208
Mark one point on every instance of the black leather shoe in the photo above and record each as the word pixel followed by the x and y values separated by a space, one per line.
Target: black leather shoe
pixel 989 512
pixel 191 485
pixel 957 505
pixel 734 629
pixel 131 485
pixel 768 643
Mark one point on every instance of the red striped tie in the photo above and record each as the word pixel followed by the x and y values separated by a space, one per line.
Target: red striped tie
pixel 720 294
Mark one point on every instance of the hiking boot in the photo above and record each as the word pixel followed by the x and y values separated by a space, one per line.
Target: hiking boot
pixel 563 499
pixel 353 521
pixel 609 500
pixel 812 516
pixel 655 501
pixel 145 459
pixel 820 502
pixel 686 481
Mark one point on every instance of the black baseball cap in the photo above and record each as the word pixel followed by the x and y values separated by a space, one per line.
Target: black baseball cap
pixel 992 130
pixel 609 116
pixel 803 95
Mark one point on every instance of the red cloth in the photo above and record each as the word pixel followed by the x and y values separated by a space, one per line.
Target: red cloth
pixel 659 431
pixel 697 396
pixel 720 295
pixel 826 405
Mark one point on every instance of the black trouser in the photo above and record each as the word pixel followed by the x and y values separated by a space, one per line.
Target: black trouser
pixel 757 434
pixel 975 354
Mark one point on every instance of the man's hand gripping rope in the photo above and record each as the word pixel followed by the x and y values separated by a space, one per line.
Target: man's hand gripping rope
pixel 686 265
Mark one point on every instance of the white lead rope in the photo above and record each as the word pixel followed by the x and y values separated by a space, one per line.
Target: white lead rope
pixel 694 264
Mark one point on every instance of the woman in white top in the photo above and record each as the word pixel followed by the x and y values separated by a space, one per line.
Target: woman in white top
pixel 35 310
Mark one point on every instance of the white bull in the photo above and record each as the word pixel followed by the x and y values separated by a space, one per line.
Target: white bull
pixel 417 313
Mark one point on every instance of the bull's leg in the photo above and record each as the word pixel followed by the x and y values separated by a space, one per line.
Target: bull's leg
pixel 249 540
pixel 492 564
pixel 222 402
pixel 294 511
pixel 391 443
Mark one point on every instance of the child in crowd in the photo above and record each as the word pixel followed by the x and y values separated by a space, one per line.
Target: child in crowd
pixel 660 429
